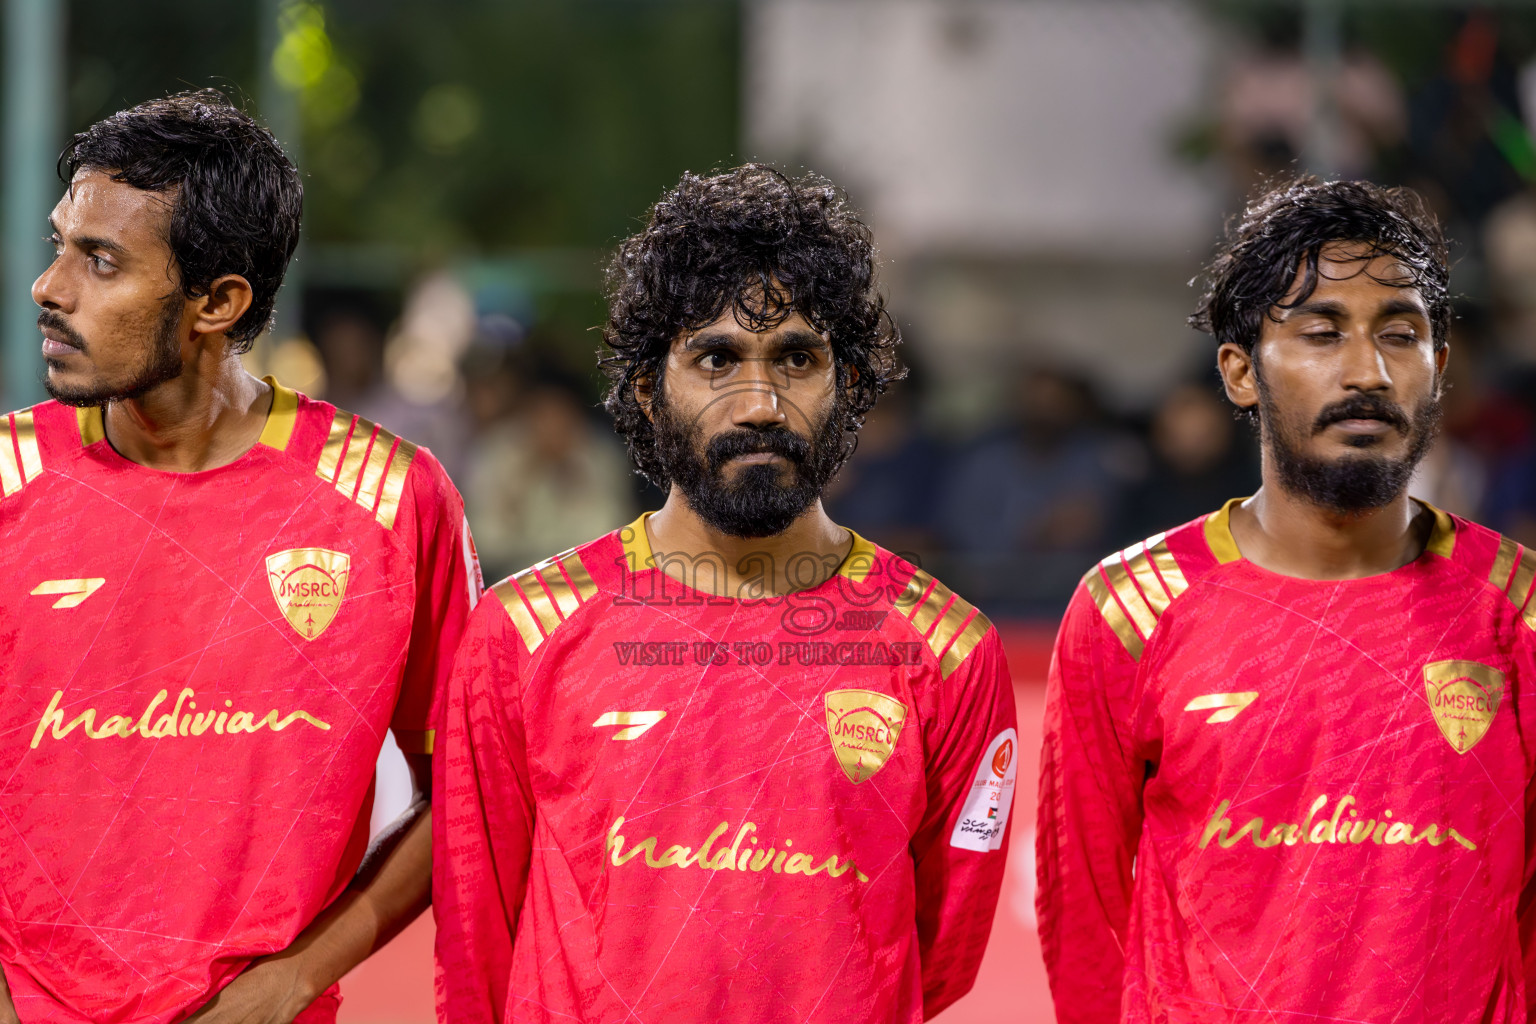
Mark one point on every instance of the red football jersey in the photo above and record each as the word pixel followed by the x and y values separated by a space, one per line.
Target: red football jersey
pixel 199 670
pixel 1280 799
pixel 656 804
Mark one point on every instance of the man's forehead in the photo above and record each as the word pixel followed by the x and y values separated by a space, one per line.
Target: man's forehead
pixel 94 204
pixel 729 326
pixel 1344 263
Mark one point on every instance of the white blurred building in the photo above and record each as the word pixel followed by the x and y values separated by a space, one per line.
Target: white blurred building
pixel 1016 160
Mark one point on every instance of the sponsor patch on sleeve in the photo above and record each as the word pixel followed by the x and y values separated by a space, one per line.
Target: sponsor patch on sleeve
pixel 985 813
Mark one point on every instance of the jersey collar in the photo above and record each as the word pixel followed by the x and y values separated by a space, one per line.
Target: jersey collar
pixel 856 565
pixel 1218 532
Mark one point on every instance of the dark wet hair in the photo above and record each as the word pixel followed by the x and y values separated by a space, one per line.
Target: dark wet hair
pixel 767 246
pixel 236 198
pixel 1287 227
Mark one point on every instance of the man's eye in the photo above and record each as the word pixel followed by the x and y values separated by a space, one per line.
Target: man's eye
pixel 798 360
pixel 99 263
pixel 714 361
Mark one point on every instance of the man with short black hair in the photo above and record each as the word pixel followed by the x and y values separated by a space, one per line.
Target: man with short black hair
pixel 1287 773
pixel 219 596
pixel 732 761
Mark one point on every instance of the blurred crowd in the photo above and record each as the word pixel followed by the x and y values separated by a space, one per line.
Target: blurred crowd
pixel 1014 513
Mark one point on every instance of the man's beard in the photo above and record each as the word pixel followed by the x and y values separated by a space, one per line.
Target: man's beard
pixel 754 503
pixel 1352 483
pixel 162 362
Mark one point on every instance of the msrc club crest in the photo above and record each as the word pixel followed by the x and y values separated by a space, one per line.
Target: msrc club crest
pixel 308 585
pixel 1464 696
pixel 864 726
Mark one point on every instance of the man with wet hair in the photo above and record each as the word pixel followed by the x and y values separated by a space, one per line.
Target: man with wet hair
pixel 731 761
pixel 1286 772
pixel 220 595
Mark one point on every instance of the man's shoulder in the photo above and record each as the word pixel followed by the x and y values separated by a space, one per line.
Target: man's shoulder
pixel 949 625
pixel 538 600
pixel 1487 559
pixel 365 462
pixel 1133 589
pixel 36 439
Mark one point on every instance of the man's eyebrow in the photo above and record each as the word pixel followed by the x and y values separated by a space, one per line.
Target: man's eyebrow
pixel 88 241
pixel 1398 307
pixel 708 340
pixel 1317 307
pixel 800 338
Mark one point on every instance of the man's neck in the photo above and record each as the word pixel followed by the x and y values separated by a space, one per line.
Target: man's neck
pixel 206 418
pixel 803 556
pixel 1287 534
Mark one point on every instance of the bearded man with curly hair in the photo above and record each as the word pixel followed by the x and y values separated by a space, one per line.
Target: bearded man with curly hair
pixel 731 761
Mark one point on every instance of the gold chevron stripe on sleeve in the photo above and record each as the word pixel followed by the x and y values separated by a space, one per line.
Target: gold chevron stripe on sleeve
pixel 394 483
pixel 92 429
pixel 538 599
pixel 565 597
pixel 580 578
pixel 916 587
pixel 415 741
pixel 1168 568
pixel 511 598
pixel 335 441
pixel 1125 589
pixel 964 644
pixel 348 476
pixel 1138 561
pixel 10 469
pixel 1525 573
pixel 1113 614
pixel 1504 563
pixel 282 418
pixel 26 443
pixel 373 470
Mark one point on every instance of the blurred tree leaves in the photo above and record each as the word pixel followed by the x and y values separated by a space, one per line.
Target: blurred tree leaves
pixel 457 127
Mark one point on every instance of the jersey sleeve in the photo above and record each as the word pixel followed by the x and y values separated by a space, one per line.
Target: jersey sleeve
pixel 482 823
pixel 447 587
pixel 1089 817
pixel 961 847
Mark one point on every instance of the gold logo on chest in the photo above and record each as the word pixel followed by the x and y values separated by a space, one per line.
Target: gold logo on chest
pixel 1464 696
pixel 308 585
pixel 863 726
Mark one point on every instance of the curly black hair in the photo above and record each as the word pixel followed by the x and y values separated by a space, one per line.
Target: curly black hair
pixel 237 198
pixel 767 246
pixel 1287 227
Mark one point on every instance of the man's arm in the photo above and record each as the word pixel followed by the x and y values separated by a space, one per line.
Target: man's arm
pixel 1089 818
pixel 392 886
pixel 961 847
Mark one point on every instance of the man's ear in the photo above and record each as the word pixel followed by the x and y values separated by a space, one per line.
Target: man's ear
pixel 226 301
pixel 643 391
pixel 1239 374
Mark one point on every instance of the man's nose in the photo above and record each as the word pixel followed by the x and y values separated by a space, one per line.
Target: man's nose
pixel 755 398
pixel 1364 367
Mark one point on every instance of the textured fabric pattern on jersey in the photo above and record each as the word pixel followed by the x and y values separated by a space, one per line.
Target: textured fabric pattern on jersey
pixel 1269 798
pixel 657 805
pixel 199 672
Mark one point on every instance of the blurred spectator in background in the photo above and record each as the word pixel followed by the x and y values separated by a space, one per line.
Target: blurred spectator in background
pixel 351 344
pixel 1201 456
pixel 1024 502
pixel 542 476
pixel 888 490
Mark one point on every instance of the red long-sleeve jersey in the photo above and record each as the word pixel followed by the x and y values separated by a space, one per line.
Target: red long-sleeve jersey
pixel 655 804
pixel 1269 798
pixel 198 670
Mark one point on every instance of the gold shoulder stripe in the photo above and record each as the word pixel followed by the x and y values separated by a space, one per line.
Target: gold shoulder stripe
pixel 335 441
pixel 415 741
pixel 282 418
pixel 366 464
pixel 1218 533
pixel 1113 614
pixel 951 625
pixel 541 597
pixel 1504 563
pixel 394 483
pixel 511 598
pixel 21 460
pixel 26 444
pixel 1133 588
pixel 92 429
pixel 1520 585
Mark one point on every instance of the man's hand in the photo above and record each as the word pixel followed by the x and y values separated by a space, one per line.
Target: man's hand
pixel 270 991
pixel 7 1008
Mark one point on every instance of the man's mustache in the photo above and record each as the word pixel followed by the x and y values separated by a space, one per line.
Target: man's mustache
pixel 55 321
pixel 773 440
pixel 1362 407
